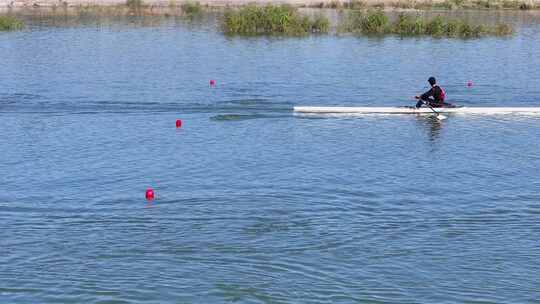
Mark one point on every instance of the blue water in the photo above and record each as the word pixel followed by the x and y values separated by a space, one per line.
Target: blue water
pixel 255 204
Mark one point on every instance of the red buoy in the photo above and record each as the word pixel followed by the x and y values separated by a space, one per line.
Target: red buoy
pixel 212 83
pixel 469 84
pixel 149 194
pixel 178 123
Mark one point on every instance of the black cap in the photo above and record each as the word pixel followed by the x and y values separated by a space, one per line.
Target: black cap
pixel 432 80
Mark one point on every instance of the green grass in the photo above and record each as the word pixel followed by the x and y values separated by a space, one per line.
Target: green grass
pixel 334 4
pixel 134 3
pixel 375 22
pixel 320 24
pixel 192 8
pixel 285 20
pixel 351 22
pixel 435 4
pixel 407 25
pixel 372 22
pixel 488 4
pixel 503 30
pixel 8 23
pixel 436 27
pixel 354 4
pixel 511 4
pixel 403 4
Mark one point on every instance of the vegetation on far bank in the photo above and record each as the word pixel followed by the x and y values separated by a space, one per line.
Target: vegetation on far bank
pixel 9 23
pixel 142 8
pixel 192 8
pixel 287 20
pixel 253 20
pixel 134 4
pixel 430 4
pixel 376 22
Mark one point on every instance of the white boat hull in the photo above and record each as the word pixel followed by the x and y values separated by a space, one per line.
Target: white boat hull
pixel 411 110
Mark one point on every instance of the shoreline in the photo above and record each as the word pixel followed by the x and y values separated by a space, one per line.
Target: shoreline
pixel 16 5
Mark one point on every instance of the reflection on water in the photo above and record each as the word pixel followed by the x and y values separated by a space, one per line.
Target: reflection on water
pixel 432 125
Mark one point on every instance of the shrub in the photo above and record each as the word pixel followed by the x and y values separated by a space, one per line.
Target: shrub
pixel 451 28
pixel 503 30
pixel 272 20
pixel 352 23
pixel 354 4
pixel 435 27
pixel 403 4
pixel 134 3
pixel 525 6
pixel 191 8
pixel 334 4
pixel 466 30
pixel 375 22
pixel 9 23
pixel 407 25
pixel 320 24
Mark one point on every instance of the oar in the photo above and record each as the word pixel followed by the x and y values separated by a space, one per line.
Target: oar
pixel 439 115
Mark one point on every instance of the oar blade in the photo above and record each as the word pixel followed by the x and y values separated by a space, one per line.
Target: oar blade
pixel 441 117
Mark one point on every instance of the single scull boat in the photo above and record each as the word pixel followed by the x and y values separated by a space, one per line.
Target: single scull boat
pixel 413 110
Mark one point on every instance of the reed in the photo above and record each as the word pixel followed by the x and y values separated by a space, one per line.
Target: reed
pixel 335 4
pixel 134 4
pixel 192 8
pixel 372 22
pixel 253 20
pixel 503 30
pixel 354 4
pixel 9 23
pixel 320 24
pixel 403 4
pixel 453 4
pixel 436 27
pixel 377 23
pixel 351 22
pixel 407 25
pixel 511 4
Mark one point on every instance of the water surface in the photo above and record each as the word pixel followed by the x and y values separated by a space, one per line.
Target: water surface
pixel 255 204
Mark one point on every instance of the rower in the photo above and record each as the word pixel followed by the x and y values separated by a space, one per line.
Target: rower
pixel 434 97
